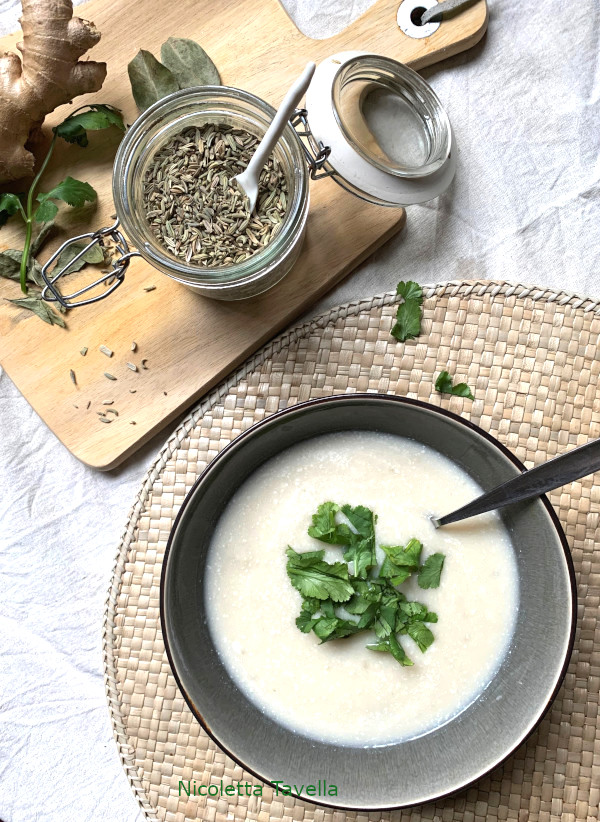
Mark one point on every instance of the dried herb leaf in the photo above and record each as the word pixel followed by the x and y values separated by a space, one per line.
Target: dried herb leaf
pixel 46 230
pixel 92 255
pixel 10 267
pixel 42 309
pixel 189 64
pixel 150 80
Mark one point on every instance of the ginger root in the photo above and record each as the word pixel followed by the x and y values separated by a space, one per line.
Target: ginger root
pixel 48 75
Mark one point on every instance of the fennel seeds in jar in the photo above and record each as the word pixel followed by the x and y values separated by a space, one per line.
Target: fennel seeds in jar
pixel 193 208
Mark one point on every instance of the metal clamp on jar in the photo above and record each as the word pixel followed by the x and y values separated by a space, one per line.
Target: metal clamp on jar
pixel 370 123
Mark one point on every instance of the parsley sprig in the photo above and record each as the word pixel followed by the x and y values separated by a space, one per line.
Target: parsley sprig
pixel 338 602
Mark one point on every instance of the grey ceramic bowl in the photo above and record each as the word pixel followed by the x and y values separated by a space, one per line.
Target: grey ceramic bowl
pixel 444 760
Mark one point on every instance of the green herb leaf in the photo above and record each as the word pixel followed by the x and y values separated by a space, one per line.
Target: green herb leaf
pixel 73 192
pixel 92 255
pixel 431 571
pixel 9 205
pixel 361 546
pixel 74 129
pixel 393 647
pixel 408 316
pixel 45 212
pixel 421 635
pixel 189 64
pixel 323 526
pixel 150 80
pixel 400 562
pixel 443 384
pixel 41 308
pixel 310 574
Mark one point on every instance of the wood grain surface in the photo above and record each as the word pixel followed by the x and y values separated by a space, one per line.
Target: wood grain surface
pixel 190 342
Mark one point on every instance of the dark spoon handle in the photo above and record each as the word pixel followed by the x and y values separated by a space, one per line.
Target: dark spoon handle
pixel 549 475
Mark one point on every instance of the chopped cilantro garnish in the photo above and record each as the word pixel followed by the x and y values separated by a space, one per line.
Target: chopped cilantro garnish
pixel 431 570
pixel 443 384
pixel 340 600
pixel 408 316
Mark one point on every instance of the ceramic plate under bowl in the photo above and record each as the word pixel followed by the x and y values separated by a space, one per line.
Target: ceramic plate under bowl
pixel 400 774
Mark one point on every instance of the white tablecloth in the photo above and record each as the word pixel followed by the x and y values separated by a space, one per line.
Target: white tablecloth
pixel 525 206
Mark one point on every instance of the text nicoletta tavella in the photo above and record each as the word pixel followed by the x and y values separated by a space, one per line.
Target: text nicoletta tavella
pixel 191 787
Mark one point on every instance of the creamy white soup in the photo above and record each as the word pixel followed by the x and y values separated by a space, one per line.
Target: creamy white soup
pixel 340 691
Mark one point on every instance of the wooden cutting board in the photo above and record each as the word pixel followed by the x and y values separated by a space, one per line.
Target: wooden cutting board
pixel 190 342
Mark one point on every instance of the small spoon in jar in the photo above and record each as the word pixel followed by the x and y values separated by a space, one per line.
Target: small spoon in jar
pixel 549 475
pixel 248 179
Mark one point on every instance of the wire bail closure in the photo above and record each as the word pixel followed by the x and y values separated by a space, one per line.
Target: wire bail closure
pixel 51 292
pixel 316 152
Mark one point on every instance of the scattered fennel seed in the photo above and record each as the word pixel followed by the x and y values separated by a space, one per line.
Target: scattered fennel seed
pixel 105 419
pixel 112 411
pixel 150 288
pixel 109 376
pixel 73 377
pixel 144 366
pixel 131 366
pixel 132 390
pixel 134 346
pixel 75 406
pixel 101 413
pixel 108 402
pixel 88 405
pixel 106 351
pixel 133 422
pixel 83 351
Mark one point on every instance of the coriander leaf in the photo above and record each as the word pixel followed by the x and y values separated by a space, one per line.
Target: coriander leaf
pixel 362 519
pixel 313 577
pixel 443 384
pixel 408 316
pixel 386 620
pixel 41 308
pixel 46 212
pixel 328 628
pixel 74 129
pixel 421 634
pixel 73 192
pixel 431 571
pixel 400 562
pixel 10 267
pixel 306 619
pixel 323 526
pixel 392 646
pixel 361 550
pixel 9 205
pixel 392 572
pixel 150 80
pixel 189 64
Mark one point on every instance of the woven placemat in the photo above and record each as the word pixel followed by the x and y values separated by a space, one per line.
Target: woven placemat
pixel 531 356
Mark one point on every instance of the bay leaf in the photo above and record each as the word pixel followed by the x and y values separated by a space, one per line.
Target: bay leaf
pixel 41 308
pixel 189 64
pixel 10 267
pixel 44 233
pixel 93 255
pixel 150 80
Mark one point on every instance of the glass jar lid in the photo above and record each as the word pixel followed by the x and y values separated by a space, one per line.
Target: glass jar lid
pixel 390 138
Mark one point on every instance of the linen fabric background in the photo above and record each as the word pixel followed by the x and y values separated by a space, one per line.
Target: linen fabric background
pixel 524 207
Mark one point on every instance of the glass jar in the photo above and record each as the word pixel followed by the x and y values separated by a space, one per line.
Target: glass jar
pixel 195 107
pixel 371 124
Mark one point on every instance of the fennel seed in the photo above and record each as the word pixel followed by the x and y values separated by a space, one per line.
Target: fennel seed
pixel 106 351
pixel 109 376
